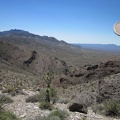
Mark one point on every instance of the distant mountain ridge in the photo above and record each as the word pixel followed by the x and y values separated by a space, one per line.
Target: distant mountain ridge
pixel 22 50
pixel 17 48
pixel 17 32
pixel 101 47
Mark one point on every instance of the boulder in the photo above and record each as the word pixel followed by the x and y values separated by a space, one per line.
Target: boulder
pixel 76 107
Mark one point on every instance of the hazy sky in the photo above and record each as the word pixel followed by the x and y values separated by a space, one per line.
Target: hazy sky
pixel 74 21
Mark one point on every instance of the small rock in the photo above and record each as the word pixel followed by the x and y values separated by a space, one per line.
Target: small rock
pixel 35 107
pixel 22 116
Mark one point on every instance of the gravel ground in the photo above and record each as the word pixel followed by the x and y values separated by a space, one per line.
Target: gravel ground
pixel 28 111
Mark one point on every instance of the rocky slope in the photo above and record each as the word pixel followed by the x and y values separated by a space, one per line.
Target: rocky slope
pixel 17 46
pixel 80 75
pixel 28 111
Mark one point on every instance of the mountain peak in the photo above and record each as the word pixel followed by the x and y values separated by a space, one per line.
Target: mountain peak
pixel 15 30
pixel 22 35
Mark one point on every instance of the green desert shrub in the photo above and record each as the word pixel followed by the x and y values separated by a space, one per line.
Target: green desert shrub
pixel 8 89
pixel 36 98
pixel 46 105
pixel 12 90
pixel 5 99
pixel 6 115
pixel 58 113
pixel 41 97
pixel 84 118
pixel 112 108
pixel 98 108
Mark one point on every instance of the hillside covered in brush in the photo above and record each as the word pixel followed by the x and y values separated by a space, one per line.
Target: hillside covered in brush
pixel 24 51
pixel 81 76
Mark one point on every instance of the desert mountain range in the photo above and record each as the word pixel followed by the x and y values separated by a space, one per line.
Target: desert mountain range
pixel 92 75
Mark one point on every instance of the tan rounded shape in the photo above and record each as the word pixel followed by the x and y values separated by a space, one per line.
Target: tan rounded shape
pixel 116 28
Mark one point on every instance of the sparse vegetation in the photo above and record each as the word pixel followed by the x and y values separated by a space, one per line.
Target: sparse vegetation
pixel 55 115
pixel 34 98
pixel 112 108
pixel 12 89
pixel 5 99
pixel 37 98
pixel 46 105
pixel 108 107
pixel 41 97
pixel 84 118
pixel 8 89
pixel 59 113
pixel 6 115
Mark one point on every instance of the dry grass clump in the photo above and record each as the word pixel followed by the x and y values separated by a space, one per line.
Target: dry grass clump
pixel 42 96
pixel 4 100
pixel 108 108
pixel 6 115
pixel 37 98
pixel 112 108
pixel 46 105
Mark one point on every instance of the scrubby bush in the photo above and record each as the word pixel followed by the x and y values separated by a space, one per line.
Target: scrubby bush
pixel 58 113
pixel 8 89
pixel 5 115
pixel 36 98
pixel 108 107
pixel 41 97
pixel 98 108
pixel 46 105
pixel 112 108
pixel 84 118
pixel 5 99
pixel 12 89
